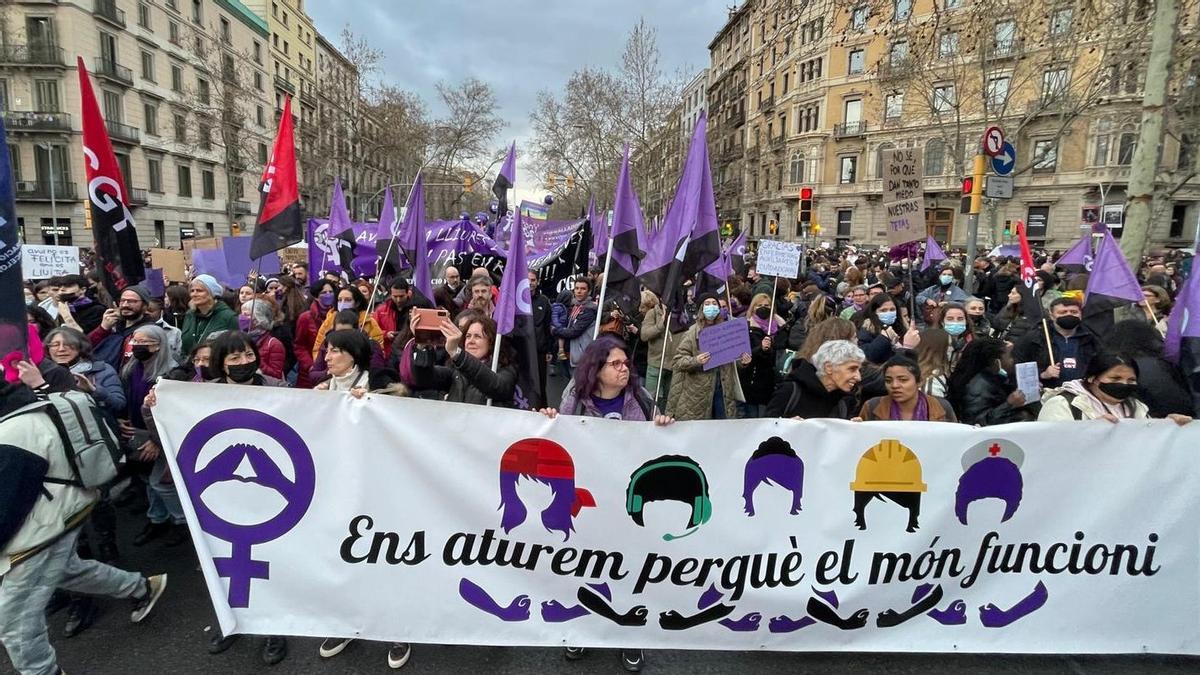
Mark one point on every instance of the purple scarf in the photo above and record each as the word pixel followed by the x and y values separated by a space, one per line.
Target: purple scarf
pixel 920 414
pixel 768 326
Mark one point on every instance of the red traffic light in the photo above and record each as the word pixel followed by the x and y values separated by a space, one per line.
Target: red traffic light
pixel 968 185
pixel 806 193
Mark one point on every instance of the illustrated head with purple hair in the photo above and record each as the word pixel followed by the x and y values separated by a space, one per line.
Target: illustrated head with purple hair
pixel 774 463
pixel 548 463
pixel 991 470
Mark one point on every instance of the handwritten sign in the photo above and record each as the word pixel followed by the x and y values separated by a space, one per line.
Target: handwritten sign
pixel 170 261
pixel 903 196
pixel 726 342
pixel 293 255
pixel 778 258
pixel 43 262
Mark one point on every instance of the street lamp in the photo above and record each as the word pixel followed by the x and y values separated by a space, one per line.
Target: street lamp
pixel 53 203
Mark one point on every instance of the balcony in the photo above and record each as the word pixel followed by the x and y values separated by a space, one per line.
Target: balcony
pixel 896 68
pixel 777 142
pixel 285 85
pixel 849 130
pixel 40 190
pixel 37 121
pixel 307 95
pixel 111 70
pixel 1051 105
pixel 734 152
pixel 32 55
pixel 241 208
pixel 107 10
pixel 766 104
pixel 122 132
pixel 1003 50
pixel 138 197
pixel 753 150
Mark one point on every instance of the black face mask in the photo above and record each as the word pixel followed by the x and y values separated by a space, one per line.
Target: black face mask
pixel 242 372
pixel 1068 322
pixel 762 312
pixel 1118 390
pixel 68 297
pixel 142 353
pixel 204 372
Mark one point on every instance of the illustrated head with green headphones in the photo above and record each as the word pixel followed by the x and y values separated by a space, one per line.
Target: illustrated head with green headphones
pixel 670 477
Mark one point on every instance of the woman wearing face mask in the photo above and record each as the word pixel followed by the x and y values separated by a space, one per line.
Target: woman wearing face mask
pixel 981 390
pixel 349 297
pixel 954 320
pixel 981 325
pixel 1107 391
pixel 881 330
pixel 256 320
pixel 324 293
pixel 905 400
pixel 758 376
pixel 943 291
pixel 698 394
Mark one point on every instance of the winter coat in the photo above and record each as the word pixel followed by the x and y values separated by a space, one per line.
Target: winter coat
pixel 637 407
pixel 271 356
pixel 758 377
pixel 469 380
pixel 366 322
pixel 579 328
pixel 1162 388
pixel 693 388
pixel 390 320
pixel 1063 406
pixel 540 305
pixel 109 392
pixel 654 334
pixel 112 346
pixel 303 345
pixel 802 394
pixel 938 294
pixel 1032 347
pixel 196 327
pixel 62 508
pixel 985 402
pixel 1011 325
pixel 876 346
pixel 880 408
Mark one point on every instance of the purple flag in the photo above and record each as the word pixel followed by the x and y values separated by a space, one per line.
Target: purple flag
pixel 211 261
pixel 599 231
pixel 1111 275
pixel 737 253
pixel 1079 255
pixel 386 229
pixel 385 237
pixel 933 254
pixel 628 237
pixel 414 220
pixel 238 260
pixel 514 295
pixel 504 182
pixel 689 239
pixel 155 282
pixel 1184 321
pixel 341 229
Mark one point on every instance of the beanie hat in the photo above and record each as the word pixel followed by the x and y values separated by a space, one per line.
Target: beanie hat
pixel 709 295
pixel 213 286
pixel 992 470
pixel 888 466
pixel 142 292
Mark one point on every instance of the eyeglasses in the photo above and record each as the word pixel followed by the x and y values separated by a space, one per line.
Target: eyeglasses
pixel 127 301
pixel 619 364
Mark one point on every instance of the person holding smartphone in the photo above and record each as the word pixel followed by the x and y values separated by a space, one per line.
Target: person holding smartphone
pixel 467 376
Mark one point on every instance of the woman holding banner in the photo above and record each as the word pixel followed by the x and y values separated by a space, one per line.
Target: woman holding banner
pixel 696 393
pixel 905 400
pixel 1107 391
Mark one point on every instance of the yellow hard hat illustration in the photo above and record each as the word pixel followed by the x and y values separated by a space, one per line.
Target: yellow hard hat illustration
pixel 888 466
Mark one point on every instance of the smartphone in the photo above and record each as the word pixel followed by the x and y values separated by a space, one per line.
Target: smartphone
pixel 430 319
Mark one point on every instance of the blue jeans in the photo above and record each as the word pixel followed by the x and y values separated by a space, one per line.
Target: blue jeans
pixel 164 499
pixel 26 591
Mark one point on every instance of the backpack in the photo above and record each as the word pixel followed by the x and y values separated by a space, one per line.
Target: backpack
pixel 93 451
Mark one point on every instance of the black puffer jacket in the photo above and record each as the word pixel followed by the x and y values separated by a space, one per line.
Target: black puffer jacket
pixel 801 394
pixel 1010 325
pixel 758 377
pixel 985 402
pixel 1162 387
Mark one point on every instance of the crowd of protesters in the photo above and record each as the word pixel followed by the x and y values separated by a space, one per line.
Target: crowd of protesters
pixel 857 336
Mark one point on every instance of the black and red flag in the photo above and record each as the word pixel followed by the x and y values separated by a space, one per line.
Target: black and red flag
pixel 118 256
pixel 279 223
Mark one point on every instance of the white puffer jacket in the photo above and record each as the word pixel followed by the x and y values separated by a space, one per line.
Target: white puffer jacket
pixel 36 433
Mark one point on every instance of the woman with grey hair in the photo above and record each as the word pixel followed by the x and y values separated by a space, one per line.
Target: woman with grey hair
pixel 151 360
pixel 824 387
pixel 71 349
pixel 256 320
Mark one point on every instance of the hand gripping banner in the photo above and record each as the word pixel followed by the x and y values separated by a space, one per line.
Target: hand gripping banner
pixel 389 519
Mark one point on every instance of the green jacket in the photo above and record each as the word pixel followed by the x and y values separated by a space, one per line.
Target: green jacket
pixel 197 327
pixel 693 388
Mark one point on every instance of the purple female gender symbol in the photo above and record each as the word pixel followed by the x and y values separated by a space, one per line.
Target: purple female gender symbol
pixel 239 567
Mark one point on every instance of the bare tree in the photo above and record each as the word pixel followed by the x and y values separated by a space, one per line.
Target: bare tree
pixel 463 142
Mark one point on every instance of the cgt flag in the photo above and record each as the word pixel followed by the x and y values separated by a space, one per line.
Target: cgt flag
pixel 1031 306
pixel 514 318
pixel 279 224
pixel 118 255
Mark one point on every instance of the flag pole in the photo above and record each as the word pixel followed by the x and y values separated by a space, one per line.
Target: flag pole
pixel 603 287
pixel 392 242
pixel 496 358
pixel 1049 344
pixel 662 359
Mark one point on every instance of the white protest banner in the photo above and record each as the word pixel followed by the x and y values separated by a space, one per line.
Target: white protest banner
pixel 318 514
pixel 903 198
pixel 778 258
pixel 725 342
pixel 42 262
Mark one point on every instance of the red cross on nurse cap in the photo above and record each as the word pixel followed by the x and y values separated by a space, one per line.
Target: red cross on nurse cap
pixel 996 447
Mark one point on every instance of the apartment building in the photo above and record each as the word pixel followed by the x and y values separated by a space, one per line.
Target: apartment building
pixel 182 87
pixel 832 84
pixel 727 79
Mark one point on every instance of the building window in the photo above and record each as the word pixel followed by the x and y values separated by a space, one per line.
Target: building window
pixel 14 158
pixel 948 44
pixel 262 153
pixel 154 169
pixel 185 180
pixel 160 233
pixel 1004 35
pixel 893 106
pixel 849 169
pixel 204 136
pixel 176 78
pixel 144 15
pixel 260 116
pixel 225 34
pixel 952 4
pixel 180 128
pixel 150 118
pixel 943 98
pixel 1187 153
pixel 935 157
pixel 1060 21
pixel 844 222
pixel 113 110
pixel 898 53
pixel 1126 148
pixel 797 168
pixel 883 147
pixel 1045 156
pixel 857 59
pixel 202 91
pixel 258 52
pixel 1054 84
pixel 197 13
pixel 45 95
pixel 208 184
pixel 997 91
pixel 148 67
pixel 858 17
pixel 173 33
pixel 902 9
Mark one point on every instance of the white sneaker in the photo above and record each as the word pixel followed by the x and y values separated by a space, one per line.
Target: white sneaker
pixel 398 655
pixel 333 646
pixel 155 586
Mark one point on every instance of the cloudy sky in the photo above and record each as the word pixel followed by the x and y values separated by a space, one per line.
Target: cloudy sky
pixel 519 46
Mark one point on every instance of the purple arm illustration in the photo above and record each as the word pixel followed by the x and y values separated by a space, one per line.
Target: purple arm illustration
pixel 517 610
pixel 994 617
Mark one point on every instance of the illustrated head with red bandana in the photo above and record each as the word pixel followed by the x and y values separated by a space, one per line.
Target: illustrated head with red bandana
pixel 548 463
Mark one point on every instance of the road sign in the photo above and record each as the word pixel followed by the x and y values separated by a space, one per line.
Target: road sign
pixel 993 141
pixel 1003 163
pixel 999 187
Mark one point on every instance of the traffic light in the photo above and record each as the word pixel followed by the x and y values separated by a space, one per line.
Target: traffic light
pixel 1008 228
pixel 727 229
pixel 235 229
pixel 806 197
pixel 816 229
pixel 467 182
pixel 968 187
